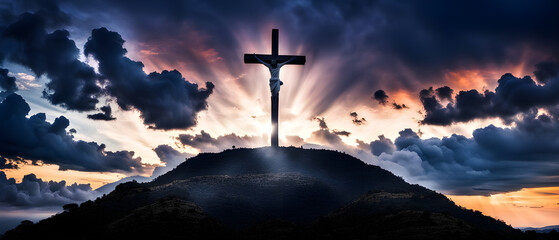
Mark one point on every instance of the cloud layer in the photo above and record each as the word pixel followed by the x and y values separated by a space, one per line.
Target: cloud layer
pixel 513 95
pixel 34 192
pixel 37 140
pixel 494 160
pixel 72 82
pixel 165 100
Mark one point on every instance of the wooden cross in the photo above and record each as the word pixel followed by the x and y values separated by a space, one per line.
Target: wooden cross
pixel 296 60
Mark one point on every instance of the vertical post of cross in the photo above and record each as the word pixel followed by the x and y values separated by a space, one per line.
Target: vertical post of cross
pixel 275 125
pixel 275 97
pixel 275 42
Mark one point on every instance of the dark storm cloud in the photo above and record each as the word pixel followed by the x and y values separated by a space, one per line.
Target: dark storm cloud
pixel 381 97
pixel 204 142
pixel 46 9
pixel 34 192
pixel 382 145
pixel 546 71
pixel 512 96
pixel 356 120
pixel 165 100
pixel 37 140
pixel 72 83
pixel 7 83
pixel 444 93
pixel 495 159
pixel 105 114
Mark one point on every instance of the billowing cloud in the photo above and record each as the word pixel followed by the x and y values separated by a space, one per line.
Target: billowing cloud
pixel 382 145
pixel 494 160
pixel 105 114
pixel 7 83
pixel 512 96
pixel 37 140
pixel 165 100
pixel 34 192
pixel 72 83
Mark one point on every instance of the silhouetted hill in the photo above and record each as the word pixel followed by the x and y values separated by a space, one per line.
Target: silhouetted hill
pixel 285 193
pixel 347 176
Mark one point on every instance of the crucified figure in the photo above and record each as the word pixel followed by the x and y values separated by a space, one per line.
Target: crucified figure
pixel 274 68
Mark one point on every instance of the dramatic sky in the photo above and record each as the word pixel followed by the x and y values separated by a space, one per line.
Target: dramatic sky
pixel 459 96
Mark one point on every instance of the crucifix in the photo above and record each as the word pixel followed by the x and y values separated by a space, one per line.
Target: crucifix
pixel 274 62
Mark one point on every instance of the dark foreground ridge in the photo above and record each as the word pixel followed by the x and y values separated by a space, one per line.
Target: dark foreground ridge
pixel 265 193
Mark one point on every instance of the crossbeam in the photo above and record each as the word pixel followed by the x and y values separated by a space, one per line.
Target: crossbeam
pixel 298 60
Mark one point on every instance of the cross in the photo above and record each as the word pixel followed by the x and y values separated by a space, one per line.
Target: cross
pixel 275 61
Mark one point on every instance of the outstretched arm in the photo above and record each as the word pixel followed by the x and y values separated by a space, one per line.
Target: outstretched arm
pixel 286 62
pixel 267 65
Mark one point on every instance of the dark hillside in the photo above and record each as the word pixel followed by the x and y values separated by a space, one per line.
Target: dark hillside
pixel 285 193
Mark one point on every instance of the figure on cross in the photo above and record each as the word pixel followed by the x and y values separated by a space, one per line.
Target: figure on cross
pixel 274 62
pixel 274 68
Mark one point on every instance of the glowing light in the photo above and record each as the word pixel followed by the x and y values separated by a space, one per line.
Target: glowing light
pixel 529 207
